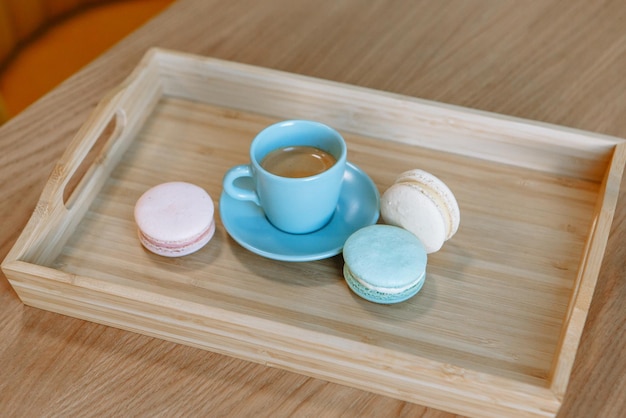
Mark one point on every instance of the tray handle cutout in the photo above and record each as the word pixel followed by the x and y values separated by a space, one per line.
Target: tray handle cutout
pixel 94 158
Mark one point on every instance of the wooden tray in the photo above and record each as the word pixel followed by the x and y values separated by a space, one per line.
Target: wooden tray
pixel 493 332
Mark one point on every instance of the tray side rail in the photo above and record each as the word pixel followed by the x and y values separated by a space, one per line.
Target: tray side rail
pixel 358 364
pixel 588 272
pixel 388 116
pixel 78 176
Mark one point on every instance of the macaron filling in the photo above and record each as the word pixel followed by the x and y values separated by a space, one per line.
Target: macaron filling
pixel 177 247
pixel 383 296
pixel 381 289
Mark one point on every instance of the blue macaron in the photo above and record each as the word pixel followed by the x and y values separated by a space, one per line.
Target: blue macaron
pixel 384 264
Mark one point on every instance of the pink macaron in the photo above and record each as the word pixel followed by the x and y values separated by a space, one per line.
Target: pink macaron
pixel 175 219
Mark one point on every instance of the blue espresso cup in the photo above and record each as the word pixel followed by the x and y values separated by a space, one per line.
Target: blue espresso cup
pixel 297 205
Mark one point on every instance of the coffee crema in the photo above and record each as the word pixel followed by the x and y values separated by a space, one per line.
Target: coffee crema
pixel 298 161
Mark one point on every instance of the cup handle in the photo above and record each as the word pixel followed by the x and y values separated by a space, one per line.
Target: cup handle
pixel 237 192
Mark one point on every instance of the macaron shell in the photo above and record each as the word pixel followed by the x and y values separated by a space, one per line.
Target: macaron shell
pixel 406 206
pixel 384 264
pixel 175 218
pixel 439 192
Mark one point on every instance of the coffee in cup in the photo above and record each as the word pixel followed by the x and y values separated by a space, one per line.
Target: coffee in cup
pixel 298 161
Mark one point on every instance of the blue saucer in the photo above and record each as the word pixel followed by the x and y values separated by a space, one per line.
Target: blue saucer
pixel 358 207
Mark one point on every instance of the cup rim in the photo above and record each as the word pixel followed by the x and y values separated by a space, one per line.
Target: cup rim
pixel 340 161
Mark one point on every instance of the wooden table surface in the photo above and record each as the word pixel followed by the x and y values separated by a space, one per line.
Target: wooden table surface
pixel 562 62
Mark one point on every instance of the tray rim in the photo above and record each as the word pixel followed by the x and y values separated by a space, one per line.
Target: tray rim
pixel 20 272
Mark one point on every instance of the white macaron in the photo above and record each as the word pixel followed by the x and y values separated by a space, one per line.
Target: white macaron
pixel 424 205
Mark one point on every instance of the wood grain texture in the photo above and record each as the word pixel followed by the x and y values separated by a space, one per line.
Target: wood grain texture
pixel 541 60
pixel 495 331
